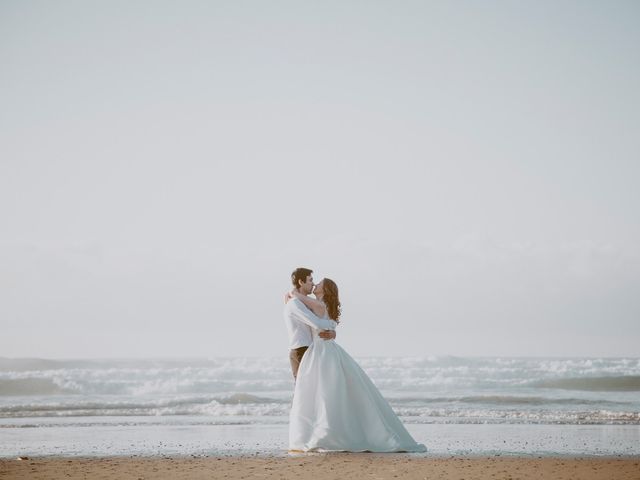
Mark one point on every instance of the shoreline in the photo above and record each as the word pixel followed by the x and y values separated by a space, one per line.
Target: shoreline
pixel 322 465
pixel 120 440
pixel 287 455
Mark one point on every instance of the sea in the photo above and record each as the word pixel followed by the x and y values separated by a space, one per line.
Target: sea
pixel 240 405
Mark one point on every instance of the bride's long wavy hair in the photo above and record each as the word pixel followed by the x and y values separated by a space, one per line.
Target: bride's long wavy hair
pixel 331 299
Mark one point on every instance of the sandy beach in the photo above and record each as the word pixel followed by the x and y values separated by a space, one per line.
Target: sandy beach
pixel 325 466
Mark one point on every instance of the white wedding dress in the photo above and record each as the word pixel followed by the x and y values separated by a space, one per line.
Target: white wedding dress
pixel 336 407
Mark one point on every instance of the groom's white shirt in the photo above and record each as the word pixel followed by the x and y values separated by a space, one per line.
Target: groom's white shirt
pixel 299 320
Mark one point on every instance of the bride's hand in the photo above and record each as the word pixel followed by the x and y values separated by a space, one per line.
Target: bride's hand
pixel 327 334
pixel 288 296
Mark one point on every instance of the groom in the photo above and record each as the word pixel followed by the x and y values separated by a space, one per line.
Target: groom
pixel 299 319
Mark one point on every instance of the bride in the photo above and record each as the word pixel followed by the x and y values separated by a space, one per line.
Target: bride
pixel 336 407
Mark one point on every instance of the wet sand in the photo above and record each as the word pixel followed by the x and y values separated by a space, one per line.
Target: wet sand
pixel 321 466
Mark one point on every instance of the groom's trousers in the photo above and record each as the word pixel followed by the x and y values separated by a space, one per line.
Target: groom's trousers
pixel 295 357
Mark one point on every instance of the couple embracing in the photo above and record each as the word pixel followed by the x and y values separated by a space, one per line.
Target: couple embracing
pixel 336 407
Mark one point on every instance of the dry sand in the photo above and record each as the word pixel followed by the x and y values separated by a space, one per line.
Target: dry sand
pixel 321 466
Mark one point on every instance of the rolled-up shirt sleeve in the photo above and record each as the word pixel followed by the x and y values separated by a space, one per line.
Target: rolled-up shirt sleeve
pixel 302 313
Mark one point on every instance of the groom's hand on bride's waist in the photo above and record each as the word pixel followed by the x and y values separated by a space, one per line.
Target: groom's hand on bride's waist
pixel 327 334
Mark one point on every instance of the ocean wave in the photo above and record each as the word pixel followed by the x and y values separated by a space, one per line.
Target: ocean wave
pixel 245 403
pixel 133 383
pixel 627 383
pixel 481 416
pixel 228 405
pixel 510 400
pixel 210 376
pixel 134 422
pixel 218 413
pixel 31 386
pixel 423 389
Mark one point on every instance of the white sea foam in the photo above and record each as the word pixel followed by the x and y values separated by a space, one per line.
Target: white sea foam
pixel 423 389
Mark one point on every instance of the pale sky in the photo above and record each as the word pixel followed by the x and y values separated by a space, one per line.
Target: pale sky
pixel 467 172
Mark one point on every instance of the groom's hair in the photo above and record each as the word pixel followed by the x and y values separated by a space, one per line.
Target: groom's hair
pixel 300 274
